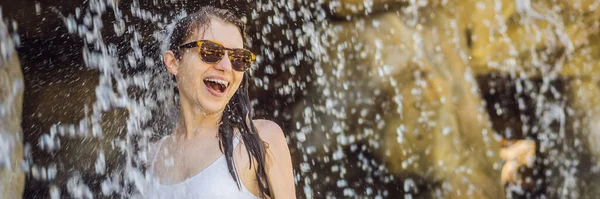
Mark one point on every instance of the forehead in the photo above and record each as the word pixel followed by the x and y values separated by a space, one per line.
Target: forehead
pixel 225 33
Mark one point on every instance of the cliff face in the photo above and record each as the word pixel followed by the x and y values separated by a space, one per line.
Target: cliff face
pixel 411 97
pixel 404 79
pixel 12 178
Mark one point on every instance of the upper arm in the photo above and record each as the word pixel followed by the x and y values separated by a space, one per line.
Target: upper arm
pixel 278 160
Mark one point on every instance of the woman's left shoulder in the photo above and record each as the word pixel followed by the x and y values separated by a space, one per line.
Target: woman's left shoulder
pixel 278 161
pixel 270 132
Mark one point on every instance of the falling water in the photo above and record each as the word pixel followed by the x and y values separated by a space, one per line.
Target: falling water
pixel 378 99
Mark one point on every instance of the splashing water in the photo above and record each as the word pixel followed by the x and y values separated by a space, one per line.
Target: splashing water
pixel 379 99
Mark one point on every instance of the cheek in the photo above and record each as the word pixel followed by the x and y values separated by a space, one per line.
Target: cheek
pixel 192 71
pixel 235 87
pixel 187 75
pixel 239 77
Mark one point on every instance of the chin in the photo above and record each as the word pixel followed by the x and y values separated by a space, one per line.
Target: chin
pixel 212 107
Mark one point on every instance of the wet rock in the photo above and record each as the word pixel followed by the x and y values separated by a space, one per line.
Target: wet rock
pixel 68 137
pixel 355 88
pixel 412 98
pixel 582 6
pixel 365 58
pixel 343 8
pixel 583 63
pixel 529 38
pixel 445 134
pixel 12 178
pixel 562 121
pixel 584 96
pixel 349 8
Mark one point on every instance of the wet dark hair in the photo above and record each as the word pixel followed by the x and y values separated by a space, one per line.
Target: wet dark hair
pixel 238 112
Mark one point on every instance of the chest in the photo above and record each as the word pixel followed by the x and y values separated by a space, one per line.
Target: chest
pixel 176 164
pixel 214 182
pixel 203 163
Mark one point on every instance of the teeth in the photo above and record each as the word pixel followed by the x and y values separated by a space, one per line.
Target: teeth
pixel 218 81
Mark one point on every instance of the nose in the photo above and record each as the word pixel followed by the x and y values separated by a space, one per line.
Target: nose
pixel 225 64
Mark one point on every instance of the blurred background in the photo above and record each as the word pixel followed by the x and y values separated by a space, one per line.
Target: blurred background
pixel 378 98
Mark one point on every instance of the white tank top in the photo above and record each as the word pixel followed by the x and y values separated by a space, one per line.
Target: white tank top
pixel 212 182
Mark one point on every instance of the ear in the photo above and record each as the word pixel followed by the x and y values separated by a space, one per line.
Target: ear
pixel 171 62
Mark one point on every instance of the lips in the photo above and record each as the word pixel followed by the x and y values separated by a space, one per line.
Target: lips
pixel 216 86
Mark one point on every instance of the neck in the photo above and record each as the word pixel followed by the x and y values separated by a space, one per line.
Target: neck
pixel 195 121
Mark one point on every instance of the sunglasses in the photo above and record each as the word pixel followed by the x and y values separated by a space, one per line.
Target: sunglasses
pixel 213 52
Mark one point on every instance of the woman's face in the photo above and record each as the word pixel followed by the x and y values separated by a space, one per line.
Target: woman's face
pixel 199 81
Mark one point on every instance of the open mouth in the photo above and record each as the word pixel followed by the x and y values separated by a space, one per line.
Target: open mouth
pixel 216 84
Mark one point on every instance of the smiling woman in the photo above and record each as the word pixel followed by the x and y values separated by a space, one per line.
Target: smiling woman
pixel 202 158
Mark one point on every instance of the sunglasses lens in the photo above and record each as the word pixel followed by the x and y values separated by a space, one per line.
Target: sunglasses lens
pixel 211 52
pixel 241 59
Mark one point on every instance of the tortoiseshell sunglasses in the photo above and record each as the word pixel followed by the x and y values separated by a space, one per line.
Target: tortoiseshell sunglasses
pixel 213 52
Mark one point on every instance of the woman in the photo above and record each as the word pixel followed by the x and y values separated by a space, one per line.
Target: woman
pixel 202 157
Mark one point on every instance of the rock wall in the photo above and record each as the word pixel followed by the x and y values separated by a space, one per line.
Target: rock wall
pixel 12 178
pixel 414 84
pixel 399 77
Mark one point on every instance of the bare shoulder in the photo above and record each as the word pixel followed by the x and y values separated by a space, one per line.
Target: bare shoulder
pixel 270 133
pixel 268 128
pixel 279 162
